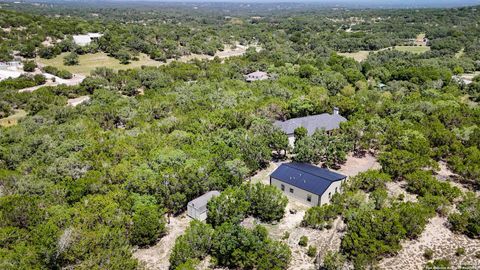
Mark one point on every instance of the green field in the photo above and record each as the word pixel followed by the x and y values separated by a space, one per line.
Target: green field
pixel 13 119
pixel 413 49
pixel 358 56
pixel 89 62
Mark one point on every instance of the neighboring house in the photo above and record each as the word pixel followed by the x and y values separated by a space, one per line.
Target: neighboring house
pixel 10 65
pixel 256 76
pixel 324 121
pixel 197 209
pixel 307 183
pixel 461 80
pixel 83 40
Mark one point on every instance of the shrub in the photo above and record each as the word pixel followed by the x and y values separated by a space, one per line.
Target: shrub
pixel 460 251
pixel 59 73
pixel 303 241
pixel 29 66
pixel 148 221
pixel 71 59
pixel 286 235
pixel 428 254
pixel 193 244
pixel 438 264
pixel 333 261
pixel 312 251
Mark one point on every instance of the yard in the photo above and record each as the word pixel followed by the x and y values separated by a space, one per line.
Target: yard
pixel 413 49
pixel 89 62
pixel 358 56
pixel 13 119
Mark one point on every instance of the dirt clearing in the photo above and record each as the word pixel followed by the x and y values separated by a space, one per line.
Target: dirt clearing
pixel 156 257
pixel 442 241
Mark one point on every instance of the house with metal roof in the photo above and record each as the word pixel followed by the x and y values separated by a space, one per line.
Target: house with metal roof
pixel 83 40
pixel 256 76
pixel 307 183
pixel 323 121
pixel 197 208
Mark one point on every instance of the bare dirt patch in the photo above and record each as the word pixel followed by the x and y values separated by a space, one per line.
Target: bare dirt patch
pixel 394 189
pixel 441 240
pixel 13 119
pixel 356 165
pixel 156 257
pixel 323 240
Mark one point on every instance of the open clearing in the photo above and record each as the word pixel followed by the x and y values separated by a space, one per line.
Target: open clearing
pixel 13 119
pixel 413 49
pixel 441 240
pixel 156 257
pixel 362 55
pixel 358 56
pixel 89 62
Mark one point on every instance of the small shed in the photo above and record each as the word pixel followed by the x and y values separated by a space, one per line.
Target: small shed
pixel 256 76
pixel 197 208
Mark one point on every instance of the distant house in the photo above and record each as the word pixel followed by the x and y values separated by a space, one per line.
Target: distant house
pixel 324 121
pixel 84 40
pixel 256 76
pixel 197 209
pixel 307 183
pixel 10 65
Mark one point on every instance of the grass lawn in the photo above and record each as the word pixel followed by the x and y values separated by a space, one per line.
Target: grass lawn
pixel 89 62
pixel 358 56
pixel 412 49
pixel 13 119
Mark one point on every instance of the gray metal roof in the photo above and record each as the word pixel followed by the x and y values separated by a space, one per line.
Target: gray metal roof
pixel 311 123
pixel 201 202
pixel 306 176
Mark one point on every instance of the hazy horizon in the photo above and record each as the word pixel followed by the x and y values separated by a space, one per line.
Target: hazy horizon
pixel 343 3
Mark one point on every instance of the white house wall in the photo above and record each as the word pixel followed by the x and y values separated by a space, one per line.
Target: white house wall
pixel 332 189
pixel 298 194
pixel 291 140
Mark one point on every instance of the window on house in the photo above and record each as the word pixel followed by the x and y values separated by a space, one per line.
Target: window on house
pixel 336 189
pixel 329 194
pixel 282 187
pixel 309 198
pixel 291 190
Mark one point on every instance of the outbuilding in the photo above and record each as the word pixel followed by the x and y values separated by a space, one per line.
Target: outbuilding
pixel 197 208
pixel 307 183
pixel 256 76
pixel 323 121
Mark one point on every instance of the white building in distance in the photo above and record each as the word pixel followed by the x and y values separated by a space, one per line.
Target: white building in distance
pixel 84 40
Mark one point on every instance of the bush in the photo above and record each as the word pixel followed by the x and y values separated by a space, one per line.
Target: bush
pixel 370 180
pixel 467 221
pixel 148 221
pixel 460 251
pixel 266 202
pixel 438 264
pixel 333 261
pixel 195 243
pixel 261 201
pixel 312 251
pixel 428 254
pixel 236 247
pixel 29 66
pixel 64 74
pixel 303 241
pixel 318 217
pixel 286 235
pixel 71 59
